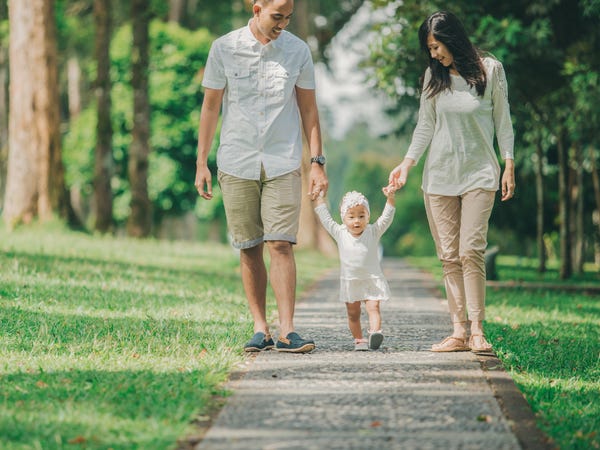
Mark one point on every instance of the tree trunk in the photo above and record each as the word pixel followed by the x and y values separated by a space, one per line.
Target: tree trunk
pixel 563 203
pixel 596 184
pixel 73 86
pixel 140 219
pixel 311 234
pixel 238 19
pixel 576 200
pixel 35 181
pixel 176 11
pixel 3 119
pixel 103 164
pixel 539 190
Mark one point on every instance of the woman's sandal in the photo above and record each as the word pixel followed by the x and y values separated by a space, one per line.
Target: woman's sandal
pixel 451 344
pixel 483 346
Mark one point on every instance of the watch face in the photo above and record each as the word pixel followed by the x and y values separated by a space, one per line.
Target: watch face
pixel 318 159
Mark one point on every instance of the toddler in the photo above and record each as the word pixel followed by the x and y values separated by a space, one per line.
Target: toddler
pixel 361 277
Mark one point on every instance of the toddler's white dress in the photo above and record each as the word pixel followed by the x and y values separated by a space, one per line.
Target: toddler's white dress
pixel 361 277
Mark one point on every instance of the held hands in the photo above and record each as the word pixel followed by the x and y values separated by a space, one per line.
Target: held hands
pixel 389 190
pixel 399 174
pixel 318 183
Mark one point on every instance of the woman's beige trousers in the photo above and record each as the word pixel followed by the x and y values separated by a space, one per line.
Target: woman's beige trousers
pixel 459 227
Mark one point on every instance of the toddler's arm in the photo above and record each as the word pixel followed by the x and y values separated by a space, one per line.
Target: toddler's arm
pixel 319 200
pixel 385 220
pixel 322 211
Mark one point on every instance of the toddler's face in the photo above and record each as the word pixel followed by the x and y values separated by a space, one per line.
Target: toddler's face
pixel 356 220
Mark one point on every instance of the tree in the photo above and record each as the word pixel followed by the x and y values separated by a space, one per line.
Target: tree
pixel 3 104
pixel 140 219
pixel 103 155
pixel 35 180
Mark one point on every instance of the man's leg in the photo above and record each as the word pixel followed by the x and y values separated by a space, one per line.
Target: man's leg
pixel 254 279
pixel 283 281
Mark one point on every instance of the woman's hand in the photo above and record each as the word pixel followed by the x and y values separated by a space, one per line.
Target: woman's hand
pixel 508 180
pixel 399 175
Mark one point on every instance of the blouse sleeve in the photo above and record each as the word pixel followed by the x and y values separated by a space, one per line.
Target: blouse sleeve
pixel 385 220
pixel 423 133
pixel 501 112
pixel 332 227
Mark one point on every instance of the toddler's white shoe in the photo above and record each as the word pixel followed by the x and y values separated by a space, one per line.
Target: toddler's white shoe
pixel 375 339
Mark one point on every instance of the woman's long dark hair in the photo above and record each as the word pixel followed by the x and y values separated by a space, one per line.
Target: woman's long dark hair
pixel 446 28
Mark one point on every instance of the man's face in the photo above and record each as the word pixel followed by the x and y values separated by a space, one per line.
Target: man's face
pixel 271 18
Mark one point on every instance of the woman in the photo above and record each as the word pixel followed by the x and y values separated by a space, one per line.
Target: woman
pixel 464 102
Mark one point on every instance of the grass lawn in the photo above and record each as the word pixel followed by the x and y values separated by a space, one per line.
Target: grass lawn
pixel 113 343
pixel 549 341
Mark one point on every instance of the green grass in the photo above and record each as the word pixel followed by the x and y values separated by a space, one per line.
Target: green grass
pixel 549 341
pixel 113 343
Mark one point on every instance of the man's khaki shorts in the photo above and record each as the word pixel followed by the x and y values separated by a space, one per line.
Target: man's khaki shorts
pixel 261 210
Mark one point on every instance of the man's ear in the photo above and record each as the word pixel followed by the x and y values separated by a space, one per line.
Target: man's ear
pixel 256 9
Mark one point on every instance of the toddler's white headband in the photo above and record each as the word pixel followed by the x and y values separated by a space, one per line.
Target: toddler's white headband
pixel 352 199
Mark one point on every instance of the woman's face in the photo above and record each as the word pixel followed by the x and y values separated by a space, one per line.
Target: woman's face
pixel 356 220
pixel 439 51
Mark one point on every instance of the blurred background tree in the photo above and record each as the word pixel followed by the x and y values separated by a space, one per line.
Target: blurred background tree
pixel 95 86
pixel 549 50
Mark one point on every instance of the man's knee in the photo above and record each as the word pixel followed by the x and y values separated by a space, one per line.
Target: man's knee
pixel 281 247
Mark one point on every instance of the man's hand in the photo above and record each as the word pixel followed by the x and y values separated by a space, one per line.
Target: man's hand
pixel 203 178
pixel 318 183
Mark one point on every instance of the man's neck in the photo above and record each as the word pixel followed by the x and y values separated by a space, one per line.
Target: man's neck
pixel 257 34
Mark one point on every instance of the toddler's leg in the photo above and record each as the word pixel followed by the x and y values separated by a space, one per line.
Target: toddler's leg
pixel 375 335
pixel 353 310
pixel 374 315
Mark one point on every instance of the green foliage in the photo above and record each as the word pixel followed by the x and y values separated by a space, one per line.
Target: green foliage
pixel 549 341
pixel 177 57
pixel 117 343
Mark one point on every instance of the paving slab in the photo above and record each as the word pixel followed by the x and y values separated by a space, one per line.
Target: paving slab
pixel 401 396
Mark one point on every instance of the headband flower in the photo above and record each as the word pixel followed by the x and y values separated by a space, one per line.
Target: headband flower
pixel 352 199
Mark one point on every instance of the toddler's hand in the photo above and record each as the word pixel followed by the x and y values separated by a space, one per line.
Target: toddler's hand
pixel 389 190
pixel 319 198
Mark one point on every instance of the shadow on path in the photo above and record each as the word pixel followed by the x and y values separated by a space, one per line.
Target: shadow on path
pixel 399 397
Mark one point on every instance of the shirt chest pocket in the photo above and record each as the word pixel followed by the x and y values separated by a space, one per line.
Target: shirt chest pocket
pixel 282 83
pixel 239 84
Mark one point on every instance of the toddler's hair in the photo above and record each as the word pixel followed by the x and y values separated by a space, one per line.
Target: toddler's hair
pixel 352 199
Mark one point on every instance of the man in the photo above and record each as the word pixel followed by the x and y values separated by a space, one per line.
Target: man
pixel 263 77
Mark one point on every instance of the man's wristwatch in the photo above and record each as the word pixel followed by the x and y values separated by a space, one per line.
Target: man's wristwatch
pixel 318 159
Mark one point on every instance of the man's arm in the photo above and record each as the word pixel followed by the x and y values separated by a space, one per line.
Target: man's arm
pixel 209 117
pixel 307 104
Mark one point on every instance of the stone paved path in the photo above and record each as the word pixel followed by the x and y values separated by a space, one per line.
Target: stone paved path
pixel 399 397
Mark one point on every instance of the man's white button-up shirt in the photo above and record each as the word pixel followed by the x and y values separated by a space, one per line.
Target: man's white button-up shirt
pixel 261 121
